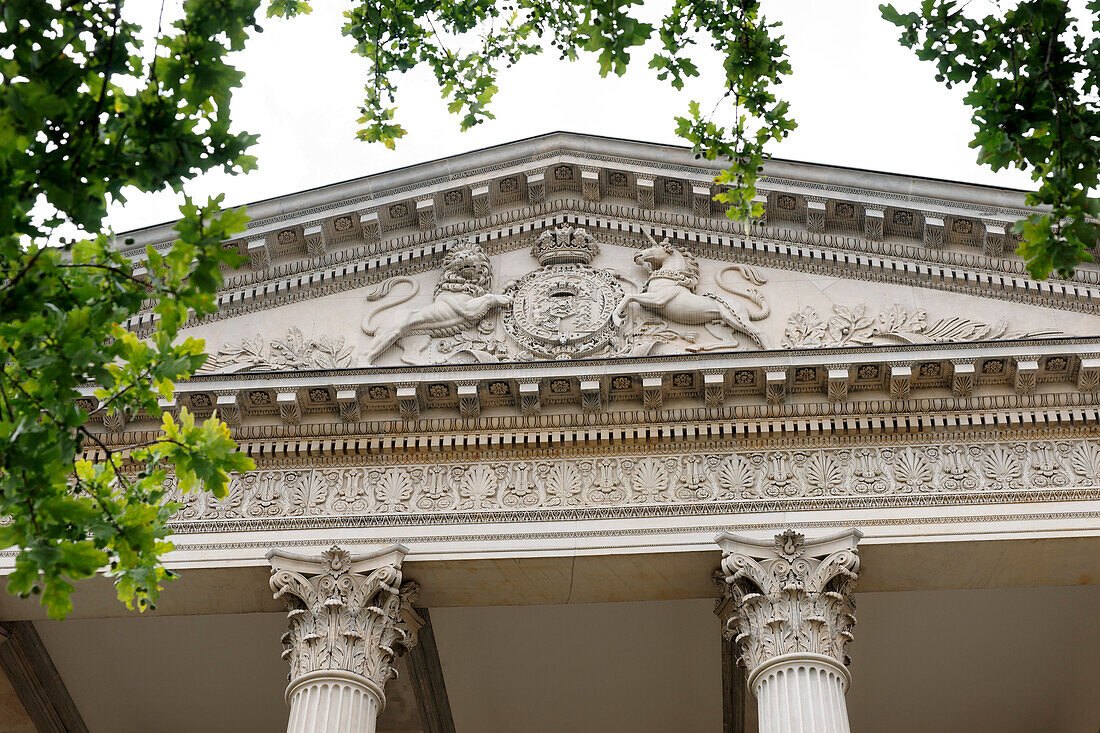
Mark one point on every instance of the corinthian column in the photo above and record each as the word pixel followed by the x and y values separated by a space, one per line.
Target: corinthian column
pixel 788 604
pixel 349 617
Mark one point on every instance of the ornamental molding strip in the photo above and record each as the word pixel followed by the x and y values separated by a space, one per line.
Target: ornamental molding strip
pixel 537 156
pixel 867 388
pixel 538 485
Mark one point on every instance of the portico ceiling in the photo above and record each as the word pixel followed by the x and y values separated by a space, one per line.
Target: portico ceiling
pixel 1011 660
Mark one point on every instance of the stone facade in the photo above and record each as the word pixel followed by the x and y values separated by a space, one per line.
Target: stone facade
pixel 565 340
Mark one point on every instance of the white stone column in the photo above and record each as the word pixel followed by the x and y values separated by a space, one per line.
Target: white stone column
pixel 349 617
pixel 788 604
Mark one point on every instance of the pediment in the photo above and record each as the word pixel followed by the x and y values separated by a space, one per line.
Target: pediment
pixel 626 296
pixel 574 271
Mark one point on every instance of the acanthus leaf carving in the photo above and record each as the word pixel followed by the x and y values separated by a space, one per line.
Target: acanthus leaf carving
pixel 292 351
pixel 850 326
pixel 345 613
pixel 793 597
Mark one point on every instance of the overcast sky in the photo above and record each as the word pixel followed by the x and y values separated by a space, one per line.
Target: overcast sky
pixel 861 100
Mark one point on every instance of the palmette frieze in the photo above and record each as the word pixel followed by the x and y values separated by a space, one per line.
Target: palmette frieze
pixel 914 473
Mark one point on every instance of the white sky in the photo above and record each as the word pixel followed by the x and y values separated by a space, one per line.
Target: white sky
pixel 861 100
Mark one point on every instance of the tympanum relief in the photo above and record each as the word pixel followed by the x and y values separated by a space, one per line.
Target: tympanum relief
pixel 462 299
pixel 290 352
pixel 670 293
pixel 565 308
pixel 568 308
pixel 853 326
pixel 578 298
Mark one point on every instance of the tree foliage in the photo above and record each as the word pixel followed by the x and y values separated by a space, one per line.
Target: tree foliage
pixel 1034 83
pixel 86 110
pixel 1035 90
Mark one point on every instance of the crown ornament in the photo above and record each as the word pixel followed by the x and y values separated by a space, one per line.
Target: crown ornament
pixel 565 245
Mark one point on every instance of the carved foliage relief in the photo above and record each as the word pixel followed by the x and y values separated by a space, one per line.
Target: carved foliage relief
pixel 796 601
pixel 344 620
pixel 292 351
pixel 567 307
pixel 853 326
pixel 655 478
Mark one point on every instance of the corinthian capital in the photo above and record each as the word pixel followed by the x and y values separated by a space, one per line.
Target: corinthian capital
pixel 347 613
pixel 789 596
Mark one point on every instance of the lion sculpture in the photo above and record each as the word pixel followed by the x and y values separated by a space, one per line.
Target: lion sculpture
pixel 670 293
pixel 462 298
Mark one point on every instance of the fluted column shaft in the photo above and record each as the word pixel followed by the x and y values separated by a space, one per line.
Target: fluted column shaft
pixel 348 618
pixel 789 605
pixel 333 702
pixel 797 693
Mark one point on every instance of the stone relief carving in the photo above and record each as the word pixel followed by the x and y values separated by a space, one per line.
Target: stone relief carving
pixel 343 618
pixel 870 472
pixel 792 598
pixel 564 309
pixel 293 351
pixel 568 308
pixel 462 298
pixel 670 292
pixel 851 326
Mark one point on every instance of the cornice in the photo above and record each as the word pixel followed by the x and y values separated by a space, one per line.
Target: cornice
pixel 557 145
pixel 866 225
pixel 926 385
pixel 832 254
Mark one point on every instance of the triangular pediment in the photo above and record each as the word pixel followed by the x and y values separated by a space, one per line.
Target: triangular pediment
pixel 565 267
pixel 488 303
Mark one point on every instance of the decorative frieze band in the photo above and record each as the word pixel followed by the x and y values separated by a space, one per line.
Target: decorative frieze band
pixel 655 477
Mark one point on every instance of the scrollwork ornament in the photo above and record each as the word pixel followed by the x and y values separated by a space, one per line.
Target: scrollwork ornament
pixel 345 613
pixel 790 596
